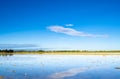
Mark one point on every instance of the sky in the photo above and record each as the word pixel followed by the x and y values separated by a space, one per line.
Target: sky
pixel 60 24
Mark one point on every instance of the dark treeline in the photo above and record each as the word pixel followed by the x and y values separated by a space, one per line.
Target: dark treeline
pixel 7 51
pixel 13 51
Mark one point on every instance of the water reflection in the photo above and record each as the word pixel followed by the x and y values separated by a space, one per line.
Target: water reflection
pixel 117 67
pixel 68 73
pixel 6 54
pixel 59 66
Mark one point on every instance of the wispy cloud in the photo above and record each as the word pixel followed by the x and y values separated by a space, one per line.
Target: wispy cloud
pixel 11 46
pixel 69 25
pixel 72 32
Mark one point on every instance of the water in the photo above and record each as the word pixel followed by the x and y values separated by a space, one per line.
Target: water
pixel 59 66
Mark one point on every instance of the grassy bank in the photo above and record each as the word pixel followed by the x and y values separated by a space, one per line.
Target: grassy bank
pixel 63 52
pixel 83 53
pixel 66 53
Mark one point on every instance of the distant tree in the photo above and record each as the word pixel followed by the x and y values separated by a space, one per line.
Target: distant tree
pixel 40 50
pixel 7 51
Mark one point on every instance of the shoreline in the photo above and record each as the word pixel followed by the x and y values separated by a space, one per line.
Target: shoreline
pixel 64 53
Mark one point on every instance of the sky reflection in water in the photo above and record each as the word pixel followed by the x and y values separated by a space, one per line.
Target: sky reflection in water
pixel 60 67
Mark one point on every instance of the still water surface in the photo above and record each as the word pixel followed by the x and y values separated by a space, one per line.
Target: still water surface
pixel 59 66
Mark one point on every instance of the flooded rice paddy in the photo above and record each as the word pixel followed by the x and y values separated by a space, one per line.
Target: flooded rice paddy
pixel 40 66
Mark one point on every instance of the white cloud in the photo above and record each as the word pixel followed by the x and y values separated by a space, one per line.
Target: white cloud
pixel 69 25
pixel 71 31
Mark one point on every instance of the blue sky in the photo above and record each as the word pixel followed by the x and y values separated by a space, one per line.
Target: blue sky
pixel 60 24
